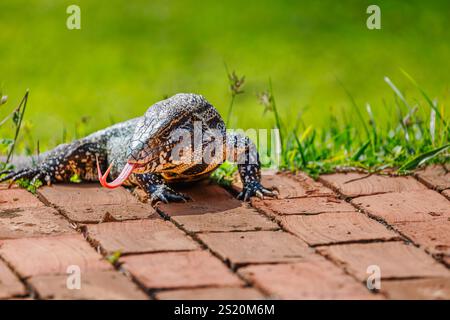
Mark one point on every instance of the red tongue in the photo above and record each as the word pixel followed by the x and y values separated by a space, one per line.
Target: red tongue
pixel 126 171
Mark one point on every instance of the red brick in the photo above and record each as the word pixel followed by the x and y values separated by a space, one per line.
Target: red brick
pixel 405 206
pixel 433 235
pixel 204 191
pixel 214 205
pixel 10 285
pixel 11 199
pixel 417 289
pixel 140 236
pixel 89 203
pixel 91 193
pixel 100 285
pixel 31 222
pixel 361 184
pixel 242 248
pixel 236 219
pixel 310 279
pixel 172 270
pixel 435 176
pixel 329 228
pixel 313 205
pixel 96 214
pixel 395 259
pixel 232 293
pixel 312 188
pixel 289 185
pixel 51 255
pixel 206 198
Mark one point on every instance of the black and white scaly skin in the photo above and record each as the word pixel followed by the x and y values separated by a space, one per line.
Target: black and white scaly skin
pixel 148 144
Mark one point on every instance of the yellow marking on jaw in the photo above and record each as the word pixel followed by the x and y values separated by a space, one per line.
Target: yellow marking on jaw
pixel 176 174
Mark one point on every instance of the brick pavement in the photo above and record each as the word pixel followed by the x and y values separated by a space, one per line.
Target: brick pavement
pixel 318 240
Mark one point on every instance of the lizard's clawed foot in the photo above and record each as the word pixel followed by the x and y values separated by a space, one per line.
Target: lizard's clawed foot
pixel 165 194
pixel 254 188
pixel 32 174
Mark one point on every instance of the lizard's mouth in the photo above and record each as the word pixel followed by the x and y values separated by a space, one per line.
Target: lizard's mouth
pixel 123 176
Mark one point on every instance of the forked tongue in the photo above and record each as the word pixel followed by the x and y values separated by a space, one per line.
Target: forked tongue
pixel 126 171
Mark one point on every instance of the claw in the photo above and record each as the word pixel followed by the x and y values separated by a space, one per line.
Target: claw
pixel 259 194
pixel 10 175
pixel 255 189
pixel 247 196
pixel 166 194
pixel 177 197
pixel 13 176
pixel 36 177
pixel 22 174
pixel 160 197
pixel 270 193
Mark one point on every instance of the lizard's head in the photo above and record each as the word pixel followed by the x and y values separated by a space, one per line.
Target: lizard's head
pixel 151 145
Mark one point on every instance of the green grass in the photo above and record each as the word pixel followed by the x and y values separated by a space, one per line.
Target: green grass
pixel 416 134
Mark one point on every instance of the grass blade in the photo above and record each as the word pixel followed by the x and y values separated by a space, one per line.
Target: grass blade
pixel 397 92
pixel 21 112
pixel 422 158
pixel 306 133
pixel 300 149
pixel 361 150
pixel 356 107
pixel 427 98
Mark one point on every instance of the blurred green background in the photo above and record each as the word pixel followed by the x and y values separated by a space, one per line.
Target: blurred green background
pixel 130 54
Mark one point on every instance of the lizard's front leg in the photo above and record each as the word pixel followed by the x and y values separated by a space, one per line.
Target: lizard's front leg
pixel 156 188
pixel 242 150
pixel 62 163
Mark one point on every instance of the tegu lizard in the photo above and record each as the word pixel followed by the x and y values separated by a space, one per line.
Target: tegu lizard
pixel 147 152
